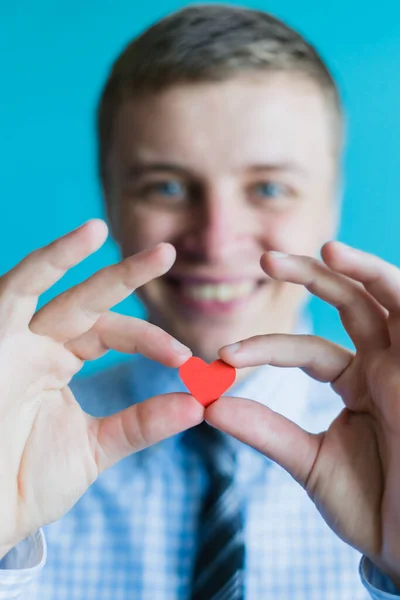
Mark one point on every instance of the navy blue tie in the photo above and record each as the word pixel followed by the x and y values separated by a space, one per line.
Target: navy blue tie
pixel 219 566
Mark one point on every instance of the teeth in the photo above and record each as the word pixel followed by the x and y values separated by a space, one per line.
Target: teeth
pixel 221 292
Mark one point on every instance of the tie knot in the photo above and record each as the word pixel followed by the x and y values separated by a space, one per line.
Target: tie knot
pixel 214 446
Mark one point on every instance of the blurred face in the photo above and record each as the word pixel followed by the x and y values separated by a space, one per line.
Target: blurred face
pixel 224 171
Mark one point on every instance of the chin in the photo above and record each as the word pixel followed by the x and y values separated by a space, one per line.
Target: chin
pixel 205 334
pixel 207 341
pixel 205 351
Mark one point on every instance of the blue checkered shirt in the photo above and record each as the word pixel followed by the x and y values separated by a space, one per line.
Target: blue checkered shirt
pixel 132 534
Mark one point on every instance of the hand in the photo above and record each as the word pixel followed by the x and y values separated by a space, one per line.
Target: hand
pixel 50 450
pixel 352 470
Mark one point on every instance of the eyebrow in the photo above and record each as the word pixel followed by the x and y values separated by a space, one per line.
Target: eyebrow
pixel 138 169
pixel 279 166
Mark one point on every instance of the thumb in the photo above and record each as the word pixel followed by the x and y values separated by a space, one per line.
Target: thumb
pixel 142 425
pixel 270 433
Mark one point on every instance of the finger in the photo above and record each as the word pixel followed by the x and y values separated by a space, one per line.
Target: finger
pixel 22 285
pixel 319 358
pixel 75 311
pixel 363 318
pixel 268 432
pixel 142 425
pixel 131 336
pixel 381 279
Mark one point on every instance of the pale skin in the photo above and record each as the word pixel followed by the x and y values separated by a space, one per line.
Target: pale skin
pixel 51 451
pixel 216 134
pixel 224 172
pixel 350 471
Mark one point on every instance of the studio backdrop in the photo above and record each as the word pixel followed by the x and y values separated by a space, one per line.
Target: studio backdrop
pixel 54 57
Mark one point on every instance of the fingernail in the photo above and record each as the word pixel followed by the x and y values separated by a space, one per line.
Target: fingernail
pixel 277 254
pixel 180 348
pixel 232 348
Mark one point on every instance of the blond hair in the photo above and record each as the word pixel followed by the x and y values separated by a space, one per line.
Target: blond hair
pixel 208 43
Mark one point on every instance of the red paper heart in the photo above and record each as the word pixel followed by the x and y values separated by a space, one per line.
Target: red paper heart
pixel 207 382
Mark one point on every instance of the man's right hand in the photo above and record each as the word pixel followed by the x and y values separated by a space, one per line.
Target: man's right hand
pixel 50 450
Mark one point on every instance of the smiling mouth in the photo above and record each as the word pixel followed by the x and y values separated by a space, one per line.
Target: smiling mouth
pixel 222 293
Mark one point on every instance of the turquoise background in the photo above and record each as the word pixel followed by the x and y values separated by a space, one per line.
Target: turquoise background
pixel 54 57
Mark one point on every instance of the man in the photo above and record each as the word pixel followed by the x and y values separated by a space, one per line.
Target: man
pixel 219 137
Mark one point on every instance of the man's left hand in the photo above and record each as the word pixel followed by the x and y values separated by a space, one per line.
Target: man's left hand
pixel 352 470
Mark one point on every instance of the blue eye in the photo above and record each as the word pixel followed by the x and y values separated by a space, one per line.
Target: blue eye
pixel 168 192
pixel 168 188
pixel 269 189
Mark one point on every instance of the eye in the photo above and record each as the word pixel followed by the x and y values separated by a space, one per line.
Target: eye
pixel 169 191
pixel 167 188
pixel 269 189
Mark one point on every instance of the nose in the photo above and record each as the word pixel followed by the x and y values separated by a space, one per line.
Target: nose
pixel 222 225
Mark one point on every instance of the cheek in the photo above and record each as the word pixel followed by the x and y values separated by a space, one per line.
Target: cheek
pixel 142 229
pixel 295 232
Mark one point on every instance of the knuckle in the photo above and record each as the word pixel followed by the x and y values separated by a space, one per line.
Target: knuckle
pixel 140 437
pixel 130 271
pixel 89 314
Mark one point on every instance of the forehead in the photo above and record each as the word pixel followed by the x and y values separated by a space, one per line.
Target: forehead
pixel 274 118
